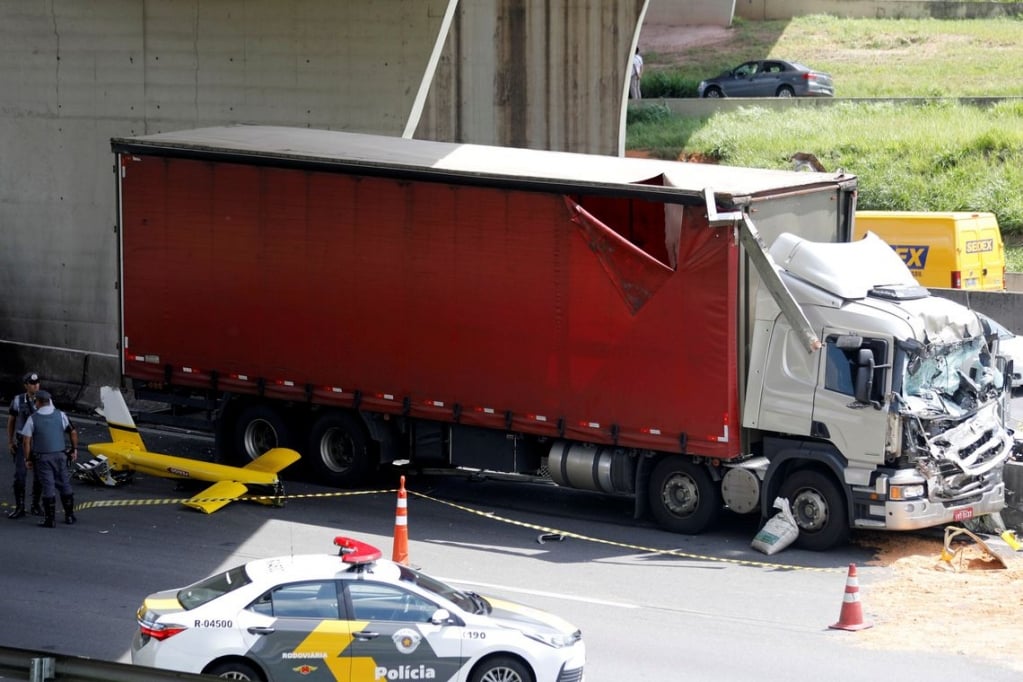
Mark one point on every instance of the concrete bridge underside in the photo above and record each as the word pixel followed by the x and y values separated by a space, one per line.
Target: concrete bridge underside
pixel 530 73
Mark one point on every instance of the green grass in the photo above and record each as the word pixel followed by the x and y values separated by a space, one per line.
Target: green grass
pixel 866 57
pixel 941 156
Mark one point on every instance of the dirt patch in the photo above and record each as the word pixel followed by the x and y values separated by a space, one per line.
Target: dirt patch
pixel 967 606
pixel 666 43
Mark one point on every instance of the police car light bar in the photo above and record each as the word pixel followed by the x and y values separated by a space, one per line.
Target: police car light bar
pixel 355 552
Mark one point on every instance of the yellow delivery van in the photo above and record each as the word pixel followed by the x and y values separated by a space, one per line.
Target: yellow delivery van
pixel 949 250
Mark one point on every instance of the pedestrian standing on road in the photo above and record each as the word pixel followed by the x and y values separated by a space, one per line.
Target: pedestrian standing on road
pixel 637 73
pixel 44 437
pixel 22 407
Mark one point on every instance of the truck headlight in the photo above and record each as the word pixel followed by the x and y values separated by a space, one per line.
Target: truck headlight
pixel 907 492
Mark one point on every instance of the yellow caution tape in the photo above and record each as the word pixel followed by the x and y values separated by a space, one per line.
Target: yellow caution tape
pixel 546 530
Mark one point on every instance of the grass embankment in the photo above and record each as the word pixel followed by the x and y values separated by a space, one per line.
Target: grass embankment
pixel 866 57
pixel 943 156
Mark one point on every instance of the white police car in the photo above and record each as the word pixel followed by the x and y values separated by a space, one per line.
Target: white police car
pixel 351 616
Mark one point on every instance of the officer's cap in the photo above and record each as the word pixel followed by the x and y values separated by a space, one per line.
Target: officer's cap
pixel 30 378
pixel 44 396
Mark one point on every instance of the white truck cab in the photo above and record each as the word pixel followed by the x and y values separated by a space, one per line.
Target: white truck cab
pixel 905 403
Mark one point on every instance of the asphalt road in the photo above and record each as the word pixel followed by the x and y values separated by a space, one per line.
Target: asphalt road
pixel 651 605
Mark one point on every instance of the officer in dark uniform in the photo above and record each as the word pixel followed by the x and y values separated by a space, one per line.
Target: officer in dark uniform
pixel 22 407
pixel 44 438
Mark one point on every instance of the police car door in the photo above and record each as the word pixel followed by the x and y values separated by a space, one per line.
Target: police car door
pixel 296 632
pixel 394 638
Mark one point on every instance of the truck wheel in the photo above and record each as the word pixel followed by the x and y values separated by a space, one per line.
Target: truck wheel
pixel 683 498
pixel 819 509
pixel 260 428
pixel 338 452
pixel 501 669
pixel 234 670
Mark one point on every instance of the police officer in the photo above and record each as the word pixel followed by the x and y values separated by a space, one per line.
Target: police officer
pixel 44 437
pixel 21 409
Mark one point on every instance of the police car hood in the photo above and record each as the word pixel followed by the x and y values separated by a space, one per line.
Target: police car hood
pixel 522 617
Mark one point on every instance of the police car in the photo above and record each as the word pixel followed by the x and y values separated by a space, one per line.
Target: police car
pixel 351 616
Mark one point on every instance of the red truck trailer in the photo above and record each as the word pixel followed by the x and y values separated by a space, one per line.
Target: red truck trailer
pixel 369 300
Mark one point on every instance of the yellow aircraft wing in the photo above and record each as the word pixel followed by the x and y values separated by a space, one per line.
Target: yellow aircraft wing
pixel 218 495
pixel 273 461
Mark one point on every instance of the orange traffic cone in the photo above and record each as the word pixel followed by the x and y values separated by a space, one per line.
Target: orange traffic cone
pixel 851 617
pixel 400 551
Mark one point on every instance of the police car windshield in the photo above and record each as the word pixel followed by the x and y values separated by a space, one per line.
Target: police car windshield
pixel 208 589
pixel 464 600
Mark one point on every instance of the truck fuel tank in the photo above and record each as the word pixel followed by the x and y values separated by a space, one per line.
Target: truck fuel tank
pixel 592 467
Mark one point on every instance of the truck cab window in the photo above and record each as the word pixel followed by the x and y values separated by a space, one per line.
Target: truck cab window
pixel 840 369
pixel 841 363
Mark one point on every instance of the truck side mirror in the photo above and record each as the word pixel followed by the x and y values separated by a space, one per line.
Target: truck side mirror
pixel 864 375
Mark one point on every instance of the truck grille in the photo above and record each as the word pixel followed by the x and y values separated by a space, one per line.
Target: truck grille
pixel 974 447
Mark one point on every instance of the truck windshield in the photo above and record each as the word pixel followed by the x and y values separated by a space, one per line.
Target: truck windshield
pixel 955 370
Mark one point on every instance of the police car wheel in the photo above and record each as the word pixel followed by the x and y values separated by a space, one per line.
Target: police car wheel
pixel 501 669
pixel 235 670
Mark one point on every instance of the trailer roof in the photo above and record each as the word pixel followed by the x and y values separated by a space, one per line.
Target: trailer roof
pixel 382 155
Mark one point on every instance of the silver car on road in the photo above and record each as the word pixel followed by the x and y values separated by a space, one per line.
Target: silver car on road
pixel 769 78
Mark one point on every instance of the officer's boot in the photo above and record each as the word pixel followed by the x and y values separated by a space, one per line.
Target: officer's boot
pixel 37 493
pixel 68 501
pixel 19 503
pixel 49 513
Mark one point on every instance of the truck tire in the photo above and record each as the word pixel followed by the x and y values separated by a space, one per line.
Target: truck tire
pixel 501 669
pixel 338 452
pixel 819 509
pixel 259 428
pixel 683 498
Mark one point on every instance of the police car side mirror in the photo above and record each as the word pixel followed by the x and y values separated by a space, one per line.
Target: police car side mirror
pixel 441 617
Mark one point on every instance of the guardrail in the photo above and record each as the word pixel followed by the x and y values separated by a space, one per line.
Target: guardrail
pixel 45 666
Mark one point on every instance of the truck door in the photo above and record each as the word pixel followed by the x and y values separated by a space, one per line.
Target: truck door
pixel 858 430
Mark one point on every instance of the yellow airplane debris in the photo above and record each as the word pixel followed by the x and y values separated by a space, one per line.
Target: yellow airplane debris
pixel 127 453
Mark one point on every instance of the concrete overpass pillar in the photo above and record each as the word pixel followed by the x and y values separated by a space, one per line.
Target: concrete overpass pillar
pixel 532 73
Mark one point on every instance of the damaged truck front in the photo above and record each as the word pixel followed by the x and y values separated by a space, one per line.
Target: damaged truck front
pixel 910 403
